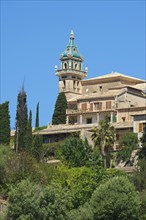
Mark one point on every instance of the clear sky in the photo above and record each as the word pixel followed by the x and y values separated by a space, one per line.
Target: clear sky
pixel 109 34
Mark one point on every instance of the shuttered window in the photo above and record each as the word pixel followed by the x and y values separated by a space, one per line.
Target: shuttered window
pixel 108 105
pixel 98 106
pixel 91 106
pixel 84 106
pixel 140 127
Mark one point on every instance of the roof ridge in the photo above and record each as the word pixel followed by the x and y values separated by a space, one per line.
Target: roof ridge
pixel 114 74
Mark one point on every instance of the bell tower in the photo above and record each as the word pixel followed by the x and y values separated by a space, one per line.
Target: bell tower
pixel 71 73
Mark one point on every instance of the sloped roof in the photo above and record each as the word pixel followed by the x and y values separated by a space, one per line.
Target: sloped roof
pixel 141 86
pixel 94 95
pixel 111 93
pixel 114 75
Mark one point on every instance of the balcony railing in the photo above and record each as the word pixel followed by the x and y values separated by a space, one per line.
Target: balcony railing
pixel 64 71
pixel 72 111
pixel 77 111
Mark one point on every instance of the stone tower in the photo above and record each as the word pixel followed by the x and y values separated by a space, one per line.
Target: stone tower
pixel 71 73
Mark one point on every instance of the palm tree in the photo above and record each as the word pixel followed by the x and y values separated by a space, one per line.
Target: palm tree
pixel 103 137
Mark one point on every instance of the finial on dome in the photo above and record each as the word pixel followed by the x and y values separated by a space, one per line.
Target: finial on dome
pixel 71 34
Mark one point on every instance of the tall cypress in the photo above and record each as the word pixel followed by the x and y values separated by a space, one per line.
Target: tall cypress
pixel 4 124
pixel 59 116
pixel 37 116
pixel 28 138
pixel 21 120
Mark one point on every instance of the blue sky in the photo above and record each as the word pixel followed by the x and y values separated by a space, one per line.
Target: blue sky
pixel 109 34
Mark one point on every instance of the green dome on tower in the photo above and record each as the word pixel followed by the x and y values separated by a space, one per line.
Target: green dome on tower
pixel 71 49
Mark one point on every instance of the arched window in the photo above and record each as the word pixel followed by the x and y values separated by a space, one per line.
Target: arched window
pixel 64 83
pixel 76 65
pixel 65 65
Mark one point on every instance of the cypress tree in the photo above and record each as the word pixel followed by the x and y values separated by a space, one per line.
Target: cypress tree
pixel 21 120
pixel 59 116
pixel 28 138
pixel 4 124
pixel 37 147
pixel 37 116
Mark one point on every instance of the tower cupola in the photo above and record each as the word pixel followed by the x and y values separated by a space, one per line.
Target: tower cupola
pixel 71 49
pixel 71 73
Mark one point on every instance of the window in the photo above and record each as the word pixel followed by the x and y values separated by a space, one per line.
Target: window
pixel 108 105
pixel 100 88
pixel 91 106
pixel 123 119
pixel 89 120
pixel 141 126
pixel 84 106
pixel 114 119
pixel 65 65
pixel 45 139
pixel 75 65
pixel 64 83
pixel 98 106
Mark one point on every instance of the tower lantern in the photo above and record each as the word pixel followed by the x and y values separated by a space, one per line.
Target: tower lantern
pixel 70 73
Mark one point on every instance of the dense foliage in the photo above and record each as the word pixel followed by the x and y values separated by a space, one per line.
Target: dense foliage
pixel 76 153
pixel 114 200
pixel 59 115
pixel 31 201
pixel 129 142
pixel 21 121
pixel 139 176
pixel 80 181
pixel 4 124
pixel 142 152
pixel 37 150
pixel 78 187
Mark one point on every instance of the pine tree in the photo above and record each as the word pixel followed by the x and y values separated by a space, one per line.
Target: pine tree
pixel 28 138
pixel 59 116
pixel 37 116
pixel 21 120
pixel 4 124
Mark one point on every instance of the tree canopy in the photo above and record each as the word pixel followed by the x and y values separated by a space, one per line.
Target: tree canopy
pixel 21 120
pixel 30 201
pixel 37 116
pixel 128 142
pixel 77 152
pixel 114 200
pixel 142 151
pixel 59 115
pixel 4 124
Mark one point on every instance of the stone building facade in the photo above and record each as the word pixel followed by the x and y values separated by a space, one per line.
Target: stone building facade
pixel 122 98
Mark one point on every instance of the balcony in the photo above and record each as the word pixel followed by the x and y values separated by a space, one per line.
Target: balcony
pixel 80 73
pixel 77 111
pixel 80 111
